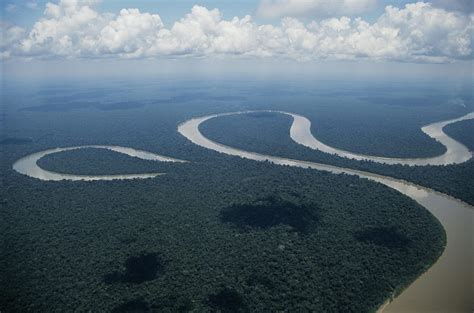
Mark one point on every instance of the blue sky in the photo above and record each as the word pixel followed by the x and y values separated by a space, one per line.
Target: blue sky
pixel 169 10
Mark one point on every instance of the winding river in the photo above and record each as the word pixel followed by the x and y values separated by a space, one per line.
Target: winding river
pixel 28 165
pixel 445 287
pixel 455 153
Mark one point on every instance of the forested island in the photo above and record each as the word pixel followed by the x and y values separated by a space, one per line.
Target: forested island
pixel 94 161
pixel 268 133
pixel 463 132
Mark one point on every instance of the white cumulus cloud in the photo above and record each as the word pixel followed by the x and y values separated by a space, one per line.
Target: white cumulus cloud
pixel 131 32
pixel 419 32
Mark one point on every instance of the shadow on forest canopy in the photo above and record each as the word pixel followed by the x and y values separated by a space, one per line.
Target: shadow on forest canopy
pixel 227 300
pixel 269 212
pixel 138 269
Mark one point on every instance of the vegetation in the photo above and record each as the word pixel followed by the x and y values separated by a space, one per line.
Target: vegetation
pixel 135 305
pixel 463 132
pixel 89 241
pixel 214 234
pixel 14 141
pixel 138 269
pixel 375 129
pixel 93 161
pixel 383 236
pixel 269 212
pixel 66 104
pixel 227 300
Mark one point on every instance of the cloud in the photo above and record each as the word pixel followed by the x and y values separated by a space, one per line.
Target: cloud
pixel 204 32
pixel 313 8
pixel 10 36
pixel 130 33
pixel 63 31
pixel 419 32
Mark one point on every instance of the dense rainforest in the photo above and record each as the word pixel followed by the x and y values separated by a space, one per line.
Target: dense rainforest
pixel 263 237
pixel 218 233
